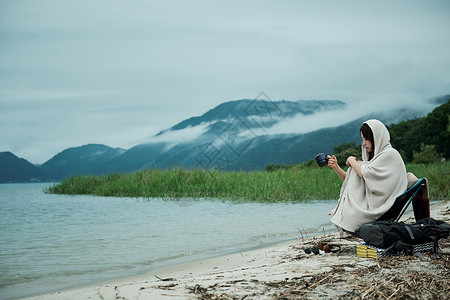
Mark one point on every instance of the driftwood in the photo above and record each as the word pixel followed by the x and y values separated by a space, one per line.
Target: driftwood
pixel 399 277
pixel 165 279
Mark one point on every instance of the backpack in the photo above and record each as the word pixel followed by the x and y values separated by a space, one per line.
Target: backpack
pixel 398 237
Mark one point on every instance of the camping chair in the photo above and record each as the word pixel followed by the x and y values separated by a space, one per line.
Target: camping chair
pixel 418 195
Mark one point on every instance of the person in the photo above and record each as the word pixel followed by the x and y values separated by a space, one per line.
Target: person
pixel 369 186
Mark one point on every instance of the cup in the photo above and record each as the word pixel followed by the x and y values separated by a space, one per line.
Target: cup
pixel 321 159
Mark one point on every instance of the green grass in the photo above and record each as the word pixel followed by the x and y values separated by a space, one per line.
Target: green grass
pixel 438 176
pixel 295 184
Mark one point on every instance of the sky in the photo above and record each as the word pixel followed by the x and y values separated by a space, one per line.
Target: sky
pixel 116 72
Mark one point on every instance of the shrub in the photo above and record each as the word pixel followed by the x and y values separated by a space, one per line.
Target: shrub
pixel 426 155
pixel 343 151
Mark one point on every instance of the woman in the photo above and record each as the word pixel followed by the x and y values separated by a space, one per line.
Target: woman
pixel 369 186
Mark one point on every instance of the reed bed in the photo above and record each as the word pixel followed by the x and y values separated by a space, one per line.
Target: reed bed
pixel 438 176
pixel 299 183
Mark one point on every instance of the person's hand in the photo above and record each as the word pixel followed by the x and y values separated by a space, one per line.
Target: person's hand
pixel 350 160
pixel 332 161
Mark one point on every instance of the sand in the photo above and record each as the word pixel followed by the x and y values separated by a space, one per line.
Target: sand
pixel 285 271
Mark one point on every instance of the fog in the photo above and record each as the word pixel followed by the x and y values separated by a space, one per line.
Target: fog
pixel 118 72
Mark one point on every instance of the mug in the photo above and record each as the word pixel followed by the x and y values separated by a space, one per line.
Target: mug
pixel 321 159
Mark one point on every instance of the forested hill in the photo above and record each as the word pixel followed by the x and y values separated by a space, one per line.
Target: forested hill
pixel 433 130
pixel 419 140
pixel 15 169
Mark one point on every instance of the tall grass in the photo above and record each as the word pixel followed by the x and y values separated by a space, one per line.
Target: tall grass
pixel 295 184
pixel 438 176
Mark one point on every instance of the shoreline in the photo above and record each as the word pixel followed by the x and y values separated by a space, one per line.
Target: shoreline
pixel 281 270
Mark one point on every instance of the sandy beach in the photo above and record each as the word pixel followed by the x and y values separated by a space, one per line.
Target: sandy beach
pixel 285 271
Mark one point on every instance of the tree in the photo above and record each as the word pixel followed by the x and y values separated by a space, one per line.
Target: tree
pixel 342 152
pixel 408 136
pixel 427 155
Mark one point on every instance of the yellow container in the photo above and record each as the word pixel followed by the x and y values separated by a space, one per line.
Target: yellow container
pixel 363 250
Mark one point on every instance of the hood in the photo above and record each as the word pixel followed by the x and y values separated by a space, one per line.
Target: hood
pixel 381 138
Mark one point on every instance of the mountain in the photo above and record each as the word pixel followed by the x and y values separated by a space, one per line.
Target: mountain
pixel 179 145
pixel 257 150
pixel 258 112
pixel 236 135
pixel 15 169
pixel 87 159
pixel 228 129
pixel 138 157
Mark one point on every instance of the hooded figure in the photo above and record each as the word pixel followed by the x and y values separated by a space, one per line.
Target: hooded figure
pixel 365 199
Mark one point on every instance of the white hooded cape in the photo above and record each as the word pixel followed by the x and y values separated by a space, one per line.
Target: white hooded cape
pixel 364 200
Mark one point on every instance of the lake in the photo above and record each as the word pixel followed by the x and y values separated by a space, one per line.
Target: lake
pixel 54 242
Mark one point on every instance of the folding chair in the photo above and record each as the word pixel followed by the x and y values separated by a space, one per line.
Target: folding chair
pixel 418 195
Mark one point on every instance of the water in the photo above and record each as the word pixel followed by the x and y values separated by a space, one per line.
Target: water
pixel 54 242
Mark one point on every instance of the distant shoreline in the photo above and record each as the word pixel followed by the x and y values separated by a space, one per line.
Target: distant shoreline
pixel 297 183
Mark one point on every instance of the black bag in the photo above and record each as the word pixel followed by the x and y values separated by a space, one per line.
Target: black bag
pixel 400 237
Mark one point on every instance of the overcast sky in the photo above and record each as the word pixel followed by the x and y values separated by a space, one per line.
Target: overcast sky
pixel 116 72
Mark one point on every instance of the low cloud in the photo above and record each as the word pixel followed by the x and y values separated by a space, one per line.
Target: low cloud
pixel 184 135
pixel 300 123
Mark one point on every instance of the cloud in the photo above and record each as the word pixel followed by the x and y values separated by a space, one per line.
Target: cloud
pixel 184 135
pixel 115 69
pixel 300 123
